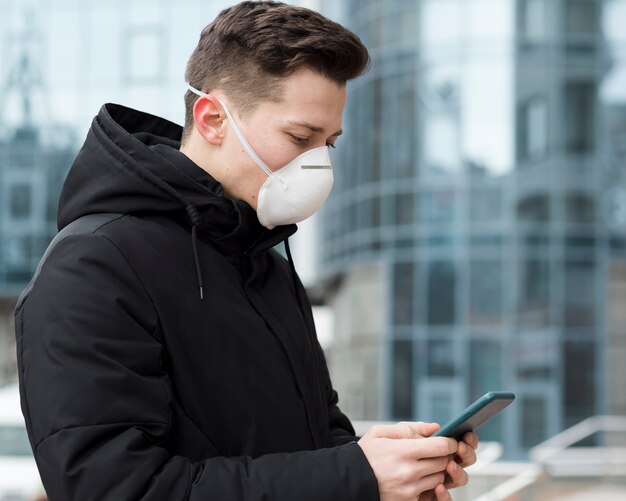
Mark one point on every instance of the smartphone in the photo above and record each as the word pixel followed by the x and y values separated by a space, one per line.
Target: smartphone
pixel 476 414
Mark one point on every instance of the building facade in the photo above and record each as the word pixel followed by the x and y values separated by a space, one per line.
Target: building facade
pixel 482 182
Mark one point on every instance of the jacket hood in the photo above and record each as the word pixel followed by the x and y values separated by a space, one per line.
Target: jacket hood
pixel 130 163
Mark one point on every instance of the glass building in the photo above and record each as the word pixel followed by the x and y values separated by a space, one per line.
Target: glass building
pixel 476 234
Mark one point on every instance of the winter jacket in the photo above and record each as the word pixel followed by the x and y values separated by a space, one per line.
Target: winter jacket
pixel 166 351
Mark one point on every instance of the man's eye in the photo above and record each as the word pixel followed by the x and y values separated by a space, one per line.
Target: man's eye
pixel 331 145
pixel 299 139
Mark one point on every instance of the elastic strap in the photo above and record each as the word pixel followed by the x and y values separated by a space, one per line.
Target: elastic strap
pixel 237 131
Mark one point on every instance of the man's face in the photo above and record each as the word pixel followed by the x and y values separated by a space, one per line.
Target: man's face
pixel 308 116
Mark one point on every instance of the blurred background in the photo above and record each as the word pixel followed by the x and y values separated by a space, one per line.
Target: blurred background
pixel 475 238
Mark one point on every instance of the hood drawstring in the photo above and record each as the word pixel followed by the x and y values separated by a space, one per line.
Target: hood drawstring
pixel 194 215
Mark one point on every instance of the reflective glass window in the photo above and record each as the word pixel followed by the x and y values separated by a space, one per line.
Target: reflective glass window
pixel 579 208
pixel 406 123
pixel 402 387
pixel 485 366
pixel 403 304
pixel 440 358
pixel 404 206
pixel 20 197
pixel 532 20
pixel 441 293
pixel 579 293
pixel 534 292
pixel 485 292
pixel 485 204
pixel 375 128
pixel 376 211
pixel 532 129
pixel 534 208
pixel 486 374
pixel 537 354
pixel 580 381
pixel 438 206
pixel 579 116
pixel 534 425
pixel 581 17
pixel 486 108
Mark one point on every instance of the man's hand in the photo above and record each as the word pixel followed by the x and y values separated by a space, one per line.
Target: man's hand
pixel 407 465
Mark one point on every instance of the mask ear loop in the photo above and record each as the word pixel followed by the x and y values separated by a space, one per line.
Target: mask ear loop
pixel 239 135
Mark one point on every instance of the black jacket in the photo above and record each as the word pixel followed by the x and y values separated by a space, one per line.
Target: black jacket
pixel 135 387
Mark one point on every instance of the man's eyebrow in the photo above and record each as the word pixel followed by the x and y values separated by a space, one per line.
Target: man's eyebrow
pixel 313 128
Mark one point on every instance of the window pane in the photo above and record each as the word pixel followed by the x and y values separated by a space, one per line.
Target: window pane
pixel 537 353
pixel 579 389
pixel 404 208
pixel 580 103
pixel 535 208
pixel 579 208
pixel 402 380
pixel 532 20
pixel 20 196
pixel 405 137
pixel 485 292
pixel 485 204
pixel 534 293
pixel 532 128
pixel 534 421
pixel 438 206
pixel 581 17
pixel 403 293
pixel 440 358
pixel 441 293
pixel 485 366
pixel 578 292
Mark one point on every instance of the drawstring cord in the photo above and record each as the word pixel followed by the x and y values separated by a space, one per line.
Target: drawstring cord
pixel 194 215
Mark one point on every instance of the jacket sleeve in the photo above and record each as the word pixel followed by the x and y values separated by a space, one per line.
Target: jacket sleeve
pixel 97 399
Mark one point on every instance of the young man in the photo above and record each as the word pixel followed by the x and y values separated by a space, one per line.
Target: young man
pixel 166 352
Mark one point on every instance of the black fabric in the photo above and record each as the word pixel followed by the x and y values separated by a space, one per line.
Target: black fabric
pixel 133 387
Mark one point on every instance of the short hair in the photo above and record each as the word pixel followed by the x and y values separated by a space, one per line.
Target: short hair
pixel 250 46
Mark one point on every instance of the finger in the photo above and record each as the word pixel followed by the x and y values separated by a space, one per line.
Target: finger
pixel 465 455
pixel 442 493
pixel 457 476
pixel 428 483
pixel 427 429
pixel 404 430
pixel 431 447
pixel 427 467
pixel 427 496
pixel 471 439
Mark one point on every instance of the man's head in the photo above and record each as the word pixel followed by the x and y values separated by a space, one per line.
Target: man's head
pixel 281 71
pixel 251 47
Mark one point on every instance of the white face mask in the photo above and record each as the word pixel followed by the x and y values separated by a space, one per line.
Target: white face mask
pixel 294 192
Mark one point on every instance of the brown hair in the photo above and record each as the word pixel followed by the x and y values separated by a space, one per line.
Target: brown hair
pixel 250 46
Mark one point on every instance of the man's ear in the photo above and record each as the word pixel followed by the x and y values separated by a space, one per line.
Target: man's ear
pixel 208 116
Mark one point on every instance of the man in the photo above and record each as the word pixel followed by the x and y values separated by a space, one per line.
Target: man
pixel 166 352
